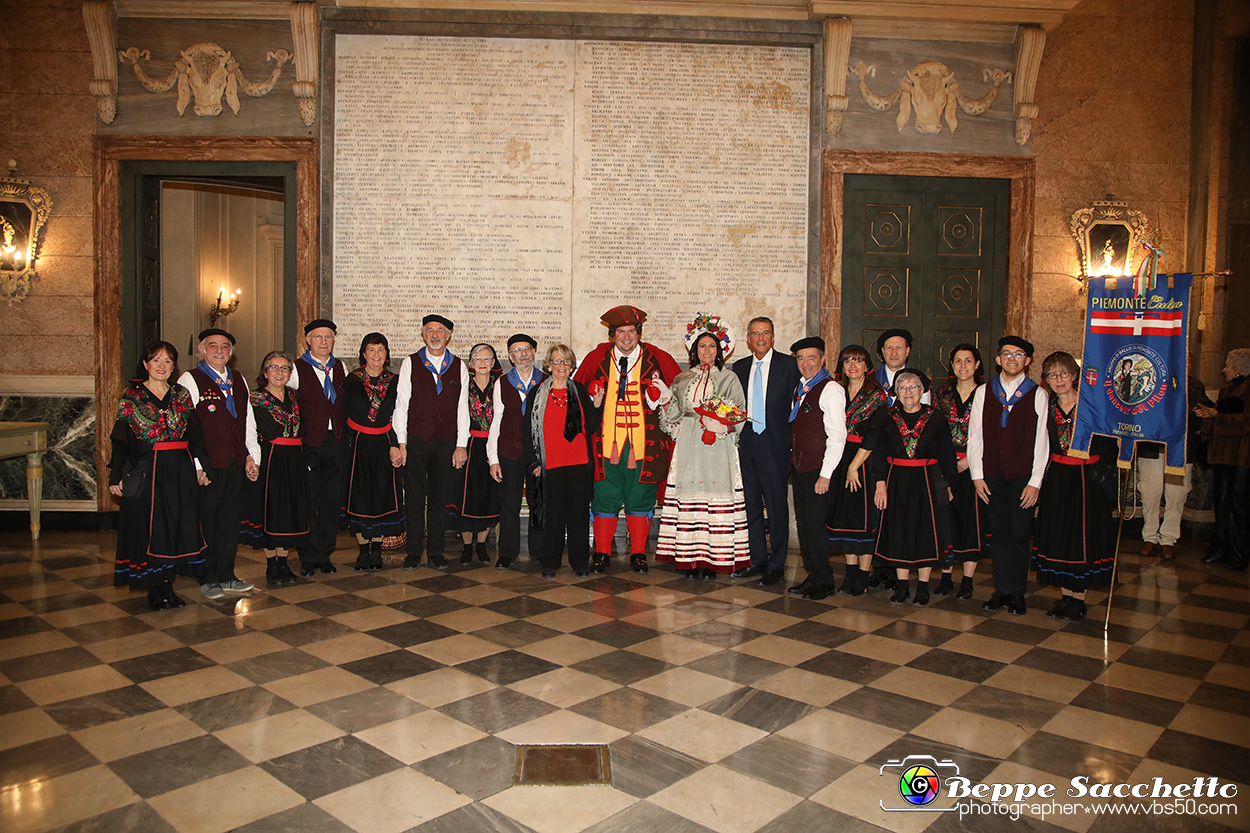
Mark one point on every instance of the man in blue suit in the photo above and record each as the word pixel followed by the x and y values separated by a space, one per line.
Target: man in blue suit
pixel 769 380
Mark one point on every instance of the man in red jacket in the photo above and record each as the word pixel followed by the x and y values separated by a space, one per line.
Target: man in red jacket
pixel 632 451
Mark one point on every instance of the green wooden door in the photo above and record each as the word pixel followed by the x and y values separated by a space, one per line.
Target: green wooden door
pixel 928 254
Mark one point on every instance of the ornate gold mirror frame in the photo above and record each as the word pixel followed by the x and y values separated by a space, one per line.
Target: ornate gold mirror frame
pixel 24 210
pixel 1108 238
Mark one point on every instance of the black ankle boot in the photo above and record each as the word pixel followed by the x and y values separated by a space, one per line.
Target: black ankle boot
pixel 171 598
pixel 466 557
pixel 945 586
pixel 965 588
pixel 273 574
pixel 482 554
pixel 901 592
pixel 362 558
pixel 284 569
pixel 375 555
pixel 852 576
pixel 155 600
pixel 922 593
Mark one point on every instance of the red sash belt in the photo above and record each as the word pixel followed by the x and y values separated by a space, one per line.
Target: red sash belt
pixel 909 463
pixel 1065 460
pixel 959 455
pixel 854 438
pixel 355 426
pixel 171 446
pixel 477 432
pixel 287 441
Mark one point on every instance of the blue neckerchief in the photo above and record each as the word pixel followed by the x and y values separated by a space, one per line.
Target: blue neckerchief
pixel 996 387
pixel 226 386
pixel 514 379
pixel 883 379
pixel 328 387
pixel 438 374
pixel 802 390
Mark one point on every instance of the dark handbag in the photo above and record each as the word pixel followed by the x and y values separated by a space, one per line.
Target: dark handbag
pixel 538 515
pixel 134 480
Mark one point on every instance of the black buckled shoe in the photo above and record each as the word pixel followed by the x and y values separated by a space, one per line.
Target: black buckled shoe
pixel 945 587
pixel 599 563
pixel 638 561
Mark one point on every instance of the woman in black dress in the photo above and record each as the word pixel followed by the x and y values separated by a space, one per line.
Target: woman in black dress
pixel 853 522
pixel 375 506
pixel 953 401
pixel 475 495
pixel 1074 543
pixel 911 474
pixel 276 500
pixel 557 438
pixel 153 440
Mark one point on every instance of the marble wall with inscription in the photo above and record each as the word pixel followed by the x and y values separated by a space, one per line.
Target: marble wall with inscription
pixel 516 184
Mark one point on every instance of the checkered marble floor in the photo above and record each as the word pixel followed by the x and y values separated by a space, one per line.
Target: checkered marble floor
pixel 394 701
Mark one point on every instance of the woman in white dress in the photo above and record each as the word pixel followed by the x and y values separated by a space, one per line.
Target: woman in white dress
pixel 703 522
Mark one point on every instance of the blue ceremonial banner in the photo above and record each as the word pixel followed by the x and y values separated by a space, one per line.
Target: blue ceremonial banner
pixel 1134 368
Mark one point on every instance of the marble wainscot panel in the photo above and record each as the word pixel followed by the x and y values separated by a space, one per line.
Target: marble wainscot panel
pixel 69 464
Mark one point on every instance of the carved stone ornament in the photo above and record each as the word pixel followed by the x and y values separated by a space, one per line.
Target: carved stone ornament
pixel 1108 235
pixel 24 210
pixel 100 17
pixel 206 72
pixel 837 50
pixel 931 89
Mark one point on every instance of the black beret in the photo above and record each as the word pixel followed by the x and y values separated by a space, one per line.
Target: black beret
pixel 1016 341
pixel 522 338
pixel 438 319
pixel 318 323
pixel 897 332
pixel 216 331
pixel 807 343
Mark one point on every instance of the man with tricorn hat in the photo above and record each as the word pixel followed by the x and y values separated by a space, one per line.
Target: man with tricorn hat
pixel 632 451
pixel 229 429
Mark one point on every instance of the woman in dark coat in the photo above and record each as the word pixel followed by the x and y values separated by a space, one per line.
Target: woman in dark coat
pixel 374 507
pixel 954 401
pixel 911 473
pixel 853 522
pixel 275 503
pixel 557 441
pixel 1074 541
pixel 153 440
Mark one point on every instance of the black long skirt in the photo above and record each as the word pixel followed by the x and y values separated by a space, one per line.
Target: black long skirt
pixel 159 535
pixel 854 519
pixel 916 524
pixel 475 496
pixel 275 513
pixel 375 504
pixel 968 525
pixel 1074 540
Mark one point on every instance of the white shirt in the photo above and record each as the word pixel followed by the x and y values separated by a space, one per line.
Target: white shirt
pixel 249 431
pixel 976 437
pixel 768 363
pixel 833 409
pixel 496 420
pixel 399 420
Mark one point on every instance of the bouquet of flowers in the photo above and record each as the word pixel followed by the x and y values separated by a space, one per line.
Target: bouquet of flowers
pixel 705 323
pixel 719 411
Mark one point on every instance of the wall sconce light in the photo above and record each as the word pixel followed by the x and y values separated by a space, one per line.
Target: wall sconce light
pixel 223 306
pixel 1108 235
pixel 24 210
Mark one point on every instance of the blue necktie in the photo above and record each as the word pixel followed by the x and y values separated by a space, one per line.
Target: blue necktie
pixel 757 399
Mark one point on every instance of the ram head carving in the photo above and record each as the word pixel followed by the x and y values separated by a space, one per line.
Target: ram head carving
pixel 205 73
pixel 932 91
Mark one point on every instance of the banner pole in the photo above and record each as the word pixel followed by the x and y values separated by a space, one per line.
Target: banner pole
pixel 1115 558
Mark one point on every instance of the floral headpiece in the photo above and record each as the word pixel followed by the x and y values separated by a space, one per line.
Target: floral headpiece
pixel 704 323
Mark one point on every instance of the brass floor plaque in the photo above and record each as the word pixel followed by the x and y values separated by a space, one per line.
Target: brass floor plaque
pixel 564 766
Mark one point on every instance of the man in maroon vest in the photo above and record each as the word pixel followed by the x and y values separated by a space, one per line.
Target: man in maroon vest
pixel 220 397
pixel 1008 449
pixel 817 437
pixel 503 448
pixel 319 378
pixel 431 423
